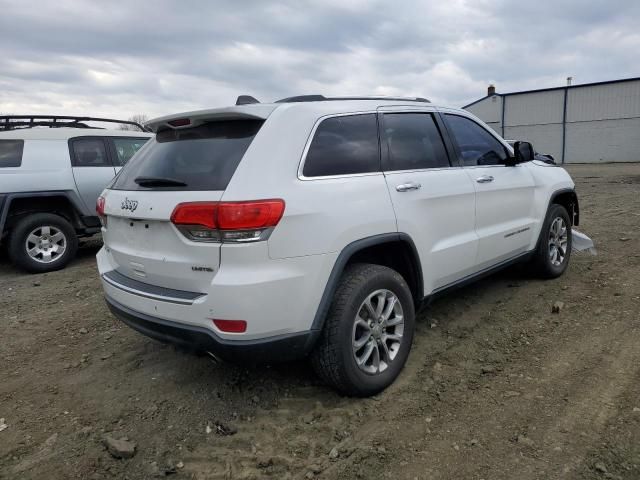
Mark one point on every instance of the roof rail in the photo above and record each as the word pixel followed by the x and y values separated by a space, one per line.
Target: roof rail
pixel 382 97
pixel 15 122
pixel 302 98
pixel 322 98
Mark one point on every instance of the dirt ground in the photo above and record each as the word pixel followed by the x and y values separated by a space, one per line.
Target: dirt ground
pixel 496 386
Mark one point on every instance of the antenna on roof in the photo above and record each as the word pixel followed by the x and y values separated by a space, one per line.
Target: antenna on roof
pixel 246 100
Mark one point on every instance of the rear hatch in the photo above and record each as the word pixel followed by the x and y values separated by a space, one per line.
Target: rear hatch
pixel 191 162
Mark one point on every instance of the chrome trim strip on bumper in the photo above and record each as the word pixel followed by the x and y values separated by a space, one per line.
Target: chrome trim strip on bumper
pixel 141 289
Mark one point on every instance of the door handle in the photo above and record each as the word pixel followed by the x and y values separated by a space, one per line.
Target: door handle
pixel 405 187
pixel 484 179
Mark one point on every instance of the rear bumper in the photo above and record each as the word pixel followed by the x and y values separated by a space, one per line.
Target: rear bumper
pixel 274 349
pixel 275 297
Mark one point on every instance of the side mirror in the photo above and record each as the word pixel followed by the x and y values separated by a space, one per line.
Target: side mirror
pixel 523 151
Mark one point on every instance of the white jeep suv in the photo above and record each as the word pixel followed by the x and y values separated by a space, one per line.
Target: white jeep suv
pixel 317 226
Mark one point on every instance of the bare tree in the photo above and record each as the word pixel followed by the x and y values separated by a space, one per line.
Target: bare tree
pixel 139 118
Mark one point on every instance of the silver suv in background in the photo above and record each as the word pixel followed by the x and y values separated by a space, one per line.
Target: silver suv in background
pixel 52 170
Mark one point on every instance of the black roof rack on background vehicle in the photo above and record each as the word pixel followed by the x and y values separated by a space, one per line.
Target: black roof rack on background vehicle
pixel 15 122
pixel 322 98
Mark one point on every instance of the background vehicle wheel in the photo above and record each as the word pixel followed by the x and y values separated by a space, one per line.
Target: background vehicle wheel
pixel 42 242
pixel 554 246
pixel 368 331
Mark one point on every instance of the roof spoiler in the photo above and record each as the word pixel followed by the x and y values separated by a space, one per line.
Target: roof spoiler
pixel 15 122
pixel 258 111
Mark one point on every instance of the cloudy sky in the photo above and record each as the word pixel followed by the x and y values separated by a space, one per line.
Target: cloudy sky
pixel 120 58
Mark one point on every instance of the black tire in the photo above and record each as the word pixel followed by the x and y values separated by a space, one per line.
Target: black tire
pixel 24 227
pixel 541 261
pixel 333 357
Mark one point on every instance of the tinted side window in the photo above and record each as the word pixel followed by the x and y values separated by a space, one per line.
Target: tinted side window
pixel 344 145
pixel 125 148
pixel 11 153
pixel 89 152
pixel 477 146
pixel 414 142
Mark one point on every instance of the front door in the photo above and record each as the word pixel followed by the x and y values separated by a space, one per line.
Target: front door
pixel 504 194
pixel 434 202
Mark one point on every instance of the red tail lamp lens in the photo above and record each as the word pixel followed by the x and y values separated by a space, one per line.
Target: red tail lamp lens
pixel 228 221
pixel 231 326
pixel 100 207
pixel 230 215
pixel 196 213
pixel 249 215
pixel 100 211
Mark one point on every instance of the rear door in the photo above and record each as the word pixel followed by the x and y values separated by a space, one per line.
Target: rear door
pixel 504 194
pixel 185 165
pixel 433 199
pixel 92 168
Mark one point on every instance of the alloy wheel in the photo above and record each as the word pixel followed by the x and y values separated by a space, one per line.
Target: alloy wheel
pixel 558 241
pixel 377 331
pixel 46 244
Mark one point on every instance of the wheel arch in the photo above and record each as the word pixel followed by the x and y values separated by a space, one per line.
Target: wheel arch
pixel 394 250
pixel 14 206
pixel 568 199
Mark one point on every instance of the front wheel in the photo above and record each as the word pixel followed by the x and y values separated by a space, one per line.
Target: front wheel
pixel 42 242
pixel 368 331
pixel 551 258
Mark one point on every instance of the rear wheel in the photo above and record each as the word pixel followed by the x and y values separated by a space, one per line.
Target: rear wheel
pixel 554 246
pixel 42 242
pixel 368 331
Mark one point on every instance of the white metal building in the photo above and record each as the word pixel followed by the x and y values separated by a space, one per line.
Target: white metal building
pixel 593 122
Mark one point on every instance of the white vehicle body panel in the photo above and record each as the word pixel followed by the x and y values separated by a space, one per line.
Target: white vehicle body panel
pixel 439 217
pixel 45 166
pixel 504 207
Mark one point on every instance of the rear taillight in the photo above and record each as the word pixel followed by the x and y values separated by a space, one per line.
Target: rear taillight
pixel 228 221
pixel 100 211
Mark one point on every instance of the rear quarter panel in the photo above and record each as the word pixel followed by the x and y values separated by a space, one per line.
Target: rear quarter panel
pixel 322 215
pixel 45 166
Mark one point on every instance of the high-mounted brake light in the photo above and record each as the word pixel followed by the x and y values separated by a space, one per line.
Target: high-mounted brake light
pixel 179 122
pixel 100 211
pixel 228 221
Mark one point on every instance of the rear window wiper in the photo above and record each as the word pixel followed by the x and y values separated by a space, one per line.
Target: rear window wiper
pixel 159 182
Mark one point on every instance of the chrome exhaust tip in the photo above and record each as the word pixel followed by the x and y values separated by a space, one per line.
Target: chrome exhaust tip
pixel 215 359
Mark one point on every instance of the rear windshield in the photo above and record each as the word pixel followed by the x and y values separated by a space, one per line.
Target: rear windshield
pixel 198 158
